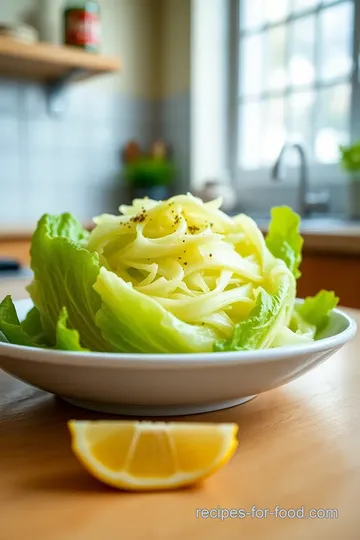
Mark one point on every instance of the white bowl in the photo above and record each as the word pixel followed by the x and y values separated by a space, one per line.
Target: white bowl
pixel 167 384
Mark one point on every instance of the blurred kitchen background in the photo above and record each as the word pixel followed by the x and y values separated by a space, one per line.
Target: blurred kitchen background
pixel 254 100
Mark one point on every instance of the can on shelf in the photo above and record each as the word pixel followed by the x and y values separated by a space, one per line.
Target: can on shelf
pixel 82 24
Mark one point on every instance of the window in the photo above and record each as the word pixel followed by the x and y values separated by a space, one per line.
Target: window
pixel 296 80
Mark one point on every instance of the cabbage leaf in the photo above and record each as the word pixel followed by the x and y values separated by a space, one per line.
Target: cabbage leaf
pixel 270 313
pixel 64 275
pixel 134 322
pixel 315 310
pixel 176 276
pixel 30 333
pixel 284 239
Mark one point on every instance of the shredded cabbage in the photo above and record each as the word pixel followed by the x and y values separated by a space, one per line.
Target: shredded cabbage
pixel 194 260
pixel 171 276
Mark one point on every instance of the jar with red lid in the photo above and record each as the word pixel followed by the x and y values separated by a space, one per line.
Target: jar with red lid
pixel 82 24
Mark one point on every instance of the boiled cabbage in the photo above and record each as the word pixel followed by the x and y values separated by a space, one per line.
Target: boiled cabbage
pixel 175 276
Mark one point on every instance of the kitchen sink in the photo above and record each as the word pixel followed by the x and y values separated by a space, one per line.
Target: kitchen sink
pixel 313 223
pixel 325 223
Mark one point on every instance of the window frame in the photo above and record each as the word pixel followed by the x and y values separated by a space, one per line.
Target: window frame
pixel 319 173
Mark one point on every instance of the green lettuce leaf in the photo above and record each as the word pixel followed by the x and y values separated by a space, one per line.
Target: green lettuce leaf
pixel 283 239
pixel 30 333
pixel 271 312
pixel 301 327
pixel 308 320
pixel 64 275
pixel 33 328
pixel 286 337
pixel 297 333
pixel 134 322
pixel 316 309
pixel 67 339
pixel 10 328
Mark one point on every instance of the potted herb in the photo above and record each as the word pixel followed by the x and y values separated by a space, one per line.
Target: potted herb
pixel 150 174
pixel 350 162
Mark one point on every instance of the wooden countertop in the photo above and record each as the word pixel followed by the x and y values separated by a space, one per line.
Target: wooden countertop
pixel 298 446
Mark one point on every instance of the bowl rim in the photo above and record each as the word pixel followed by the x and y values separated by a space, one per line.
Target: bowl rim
pixel 149 360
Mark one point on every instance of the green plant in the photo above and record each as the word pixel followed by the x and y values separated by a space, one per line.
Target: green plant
pixel 147 172
pixel 350 157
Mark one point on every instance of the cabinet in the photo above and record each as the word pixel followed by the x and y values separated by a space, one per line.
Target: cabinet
pixel 340 273
pixel 18 249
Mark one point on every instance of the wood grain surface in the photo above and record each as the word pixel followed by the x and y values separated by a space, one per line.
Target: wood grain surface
pixel 299 445
pixel 46 62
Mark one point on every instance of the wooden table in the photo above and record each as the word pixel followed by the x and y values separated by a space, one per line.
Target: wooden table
pixel 298 446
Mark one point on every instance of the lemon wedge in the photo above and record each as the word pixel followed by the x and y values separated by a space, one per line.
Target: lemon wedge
pixel 137 456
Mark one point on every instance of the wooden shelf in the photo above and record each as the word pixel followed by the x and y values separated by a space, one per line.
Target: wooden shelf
pixel 50 63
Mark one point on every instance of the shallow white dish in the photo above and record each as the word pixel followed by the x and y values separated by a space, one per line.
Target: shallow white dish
pixel 173 384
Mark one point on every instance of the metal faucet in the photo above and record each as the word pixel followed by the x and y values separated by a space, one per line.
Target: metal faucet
pixel 308 201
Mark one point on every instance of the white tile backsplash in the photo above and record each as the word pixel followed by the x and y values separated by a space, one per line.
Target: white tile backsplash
pixel 73 163
pixel 70 163
pixel 10 97
pixel 9 133
pixel 11 194
pixel 174 125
